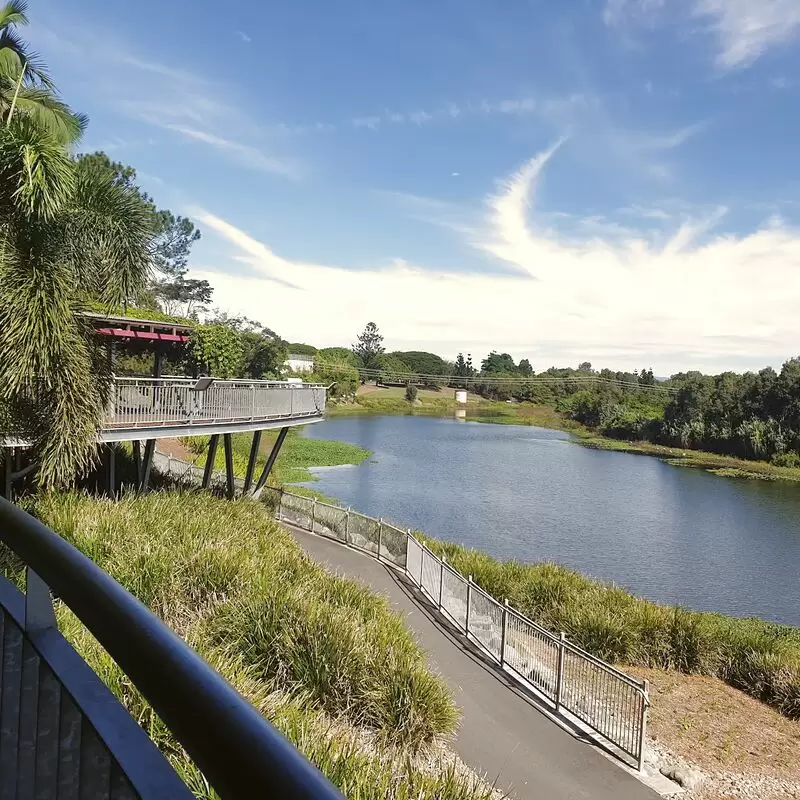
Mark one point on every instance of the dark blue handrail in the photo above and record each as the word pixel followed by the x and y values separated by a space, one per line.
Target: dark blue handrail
pixel 238 751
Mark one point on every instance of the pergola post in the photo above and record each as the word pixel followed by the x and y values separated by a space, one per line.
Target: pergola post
pixel 230 484
pixel 210 458
pixel 276 448
pixel 251 462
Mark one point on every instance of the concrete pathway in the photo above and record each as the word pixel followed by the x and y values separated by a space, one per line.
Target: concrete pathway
pixel 502 734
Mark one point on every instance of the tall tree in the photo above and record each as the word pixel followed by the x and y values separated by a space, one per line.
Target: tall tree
pixel 369 346
pixel 525 367
pixel 173 236
pixel 67 232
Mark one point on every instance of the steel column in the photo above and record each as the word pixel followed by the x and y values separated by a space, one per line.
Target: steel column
pixel 230 484
pixel 276 448
pixel 111 470
pixel 7 472
pixel 146 464
pixel 210 458
pixel 251 462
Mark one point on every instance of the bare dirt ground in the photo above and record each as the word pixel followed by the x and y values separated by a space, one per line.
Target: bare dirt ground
pixel 746 750
pixel 176 449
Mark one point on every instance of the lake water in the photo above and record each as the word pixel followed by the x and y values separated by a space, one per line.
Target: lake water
pixel 672 534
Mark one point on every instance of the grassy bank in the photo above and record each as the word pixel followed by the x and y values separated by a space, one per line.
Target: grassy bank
pixel 391 401
pixel 758 657
pixel 725 466
pixel 322 657
pixel 292 465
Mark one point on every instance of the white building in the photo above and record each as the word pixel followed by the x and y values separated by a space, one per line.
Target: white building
pixel 298 363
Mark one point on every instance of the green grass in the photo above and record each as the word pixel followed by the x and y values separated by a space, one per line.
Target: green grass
pixel 391 401
pixel 297 455
pixel 726 466
pixel 322 657
pixel 761 658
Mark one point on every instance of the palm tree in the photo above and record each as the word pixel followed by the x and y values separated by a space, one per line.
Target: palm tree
pixel 26 87
pixel 68 232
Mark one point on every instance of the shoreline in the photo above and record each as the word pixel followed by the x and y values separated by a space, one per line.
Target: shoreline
pixel 500 413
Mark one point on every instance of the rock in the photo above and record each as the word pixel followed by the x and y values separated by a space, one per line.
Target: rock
pixel 689 779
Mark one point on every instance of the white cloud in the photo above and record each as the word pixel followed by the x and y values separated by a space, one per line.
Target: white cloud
pixel 244 37
pixel 744 29
pixel 747 28
pixel 245 154
pixel 696 299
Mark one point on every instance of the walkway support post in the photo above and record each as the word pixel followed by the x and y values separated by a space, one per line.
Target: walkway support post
pixel 111 476
pixel 210 458
pixel 380 536
pixel 146 464
pixel 276 448
pixel 230 484
pixel 560 675
pixel 7 472
pixel 251 461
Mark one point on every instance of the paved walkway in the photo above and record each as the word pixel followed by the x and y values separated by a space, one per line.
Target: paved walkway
pixel 502 734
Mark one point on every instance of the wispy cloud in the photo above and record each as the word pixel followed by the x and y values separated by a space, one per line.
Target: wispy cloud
pixel 244 37
pixel 610 293
pixel 247 155
pixel 744 29
pixel 747 28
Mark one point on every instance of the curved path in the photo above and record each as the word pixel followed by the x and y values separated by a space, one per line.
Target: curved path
pixel 502 734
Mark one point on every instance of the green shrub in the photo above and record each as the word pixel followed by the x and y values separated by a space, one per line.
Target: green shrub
pixel 411 392
pixel 789 459
pixel 324 658
pixel 758 657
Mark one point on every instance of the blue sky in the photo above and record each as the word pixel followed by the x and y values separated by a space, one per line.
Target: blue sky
pixel 605 180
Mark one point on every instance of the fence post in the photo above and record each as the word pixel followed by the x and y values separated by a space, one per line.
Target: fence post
pixel 380 536
pixel 313 512
pixel 347 527
pixel 560 675
pixel 469 603
pixel 441 581
pixel 280 504
pixel 643 726
pixel 503 628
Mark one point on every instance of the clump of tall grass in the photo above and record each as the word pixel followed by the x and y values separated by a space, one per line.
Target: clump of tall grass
pixel 323 657
pixel 758 657
pixel 363 767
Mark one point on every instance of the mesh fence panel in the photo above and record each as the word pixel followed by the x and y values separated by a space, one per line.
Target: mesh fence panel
pixel 296 510
pixel 610 705
pixel 431 572
pixel 414 560
pixel 330 521
pixel 486 620
pixel 393 544
pixel 454 596
pixel 363 532
pixel 533 654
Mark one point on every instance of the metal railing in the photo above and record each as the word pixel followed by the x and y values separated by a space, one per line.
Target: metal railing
pixel 238 751
pixel 576 683
pixel 153 402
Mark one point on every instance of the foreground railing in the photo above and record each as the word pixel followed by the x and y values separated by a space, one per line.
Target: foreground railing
pixel 578 685
pixel 150 402
pixel 62 732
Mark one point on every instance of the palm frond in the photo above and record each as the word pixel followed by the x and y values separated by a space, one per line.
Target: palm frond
pixel 110 235
pixel 36 173
pixel 14 52
pixel 52 114
pixel 14 12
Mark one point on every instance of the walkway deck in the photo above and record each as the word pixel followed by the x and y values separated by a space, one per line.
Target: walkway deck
pixel 502 734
